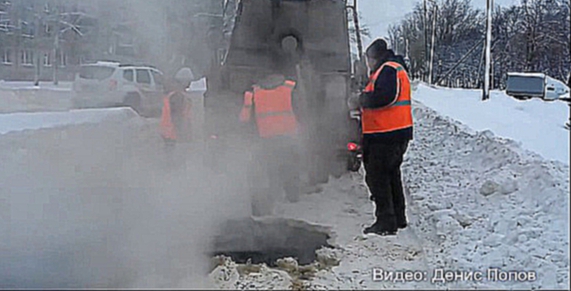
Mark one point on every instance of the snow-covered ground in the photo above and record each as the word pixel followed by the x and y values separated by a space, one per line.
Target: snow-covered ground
pixel 476 203
pixel 27 85
pixel 24 97
pixel 38 120
pixel 537 124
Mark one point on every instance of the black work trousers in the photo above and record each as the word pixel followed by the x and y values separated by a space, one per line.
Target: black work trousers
pixel 383 177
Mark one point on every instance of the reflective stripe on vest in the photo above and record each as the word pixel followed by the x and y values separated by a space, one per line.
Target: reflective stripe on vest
pixel 395 116
pixel 274 111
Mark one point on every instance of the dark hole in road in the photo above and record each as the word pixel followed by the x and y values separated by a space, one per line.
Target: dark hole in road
pixel 269 239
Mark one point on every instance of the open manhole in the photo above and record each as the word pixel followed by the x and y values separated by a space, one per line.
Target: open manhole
pixel 266 240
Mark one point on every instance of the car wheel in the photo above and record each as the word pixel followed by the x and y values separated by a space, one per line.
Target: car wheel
pixel 133 100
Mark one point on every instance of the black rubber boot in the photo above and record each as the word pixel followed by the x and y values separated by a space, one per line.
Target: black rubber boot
pixel 378 230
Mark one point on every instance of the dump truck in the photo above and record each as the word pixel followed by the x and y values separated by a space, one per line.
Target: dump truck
pixel 305 40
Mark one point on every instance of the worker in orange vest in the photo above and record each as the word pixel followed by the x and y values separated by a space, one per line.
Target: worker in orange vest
pixel 175 125
pixel 277 130
pixel 387 128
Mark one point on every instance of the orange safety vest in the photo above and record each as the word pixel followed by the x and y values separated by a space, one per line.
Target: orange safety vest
pixel 397 115
pixel 273 109
pixel 167 127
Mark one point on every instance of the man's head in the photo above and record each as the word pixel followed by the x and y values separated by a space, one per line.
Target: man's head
pixel 375 53
pixel 184 77
pixel 272 80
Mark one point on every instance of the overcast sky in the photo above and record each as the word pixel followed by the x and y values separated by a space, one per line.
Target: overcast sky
pixel 379 14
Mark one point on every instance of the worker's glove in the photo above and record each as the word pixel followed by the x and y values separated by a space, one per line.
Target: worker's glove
pixel 353 102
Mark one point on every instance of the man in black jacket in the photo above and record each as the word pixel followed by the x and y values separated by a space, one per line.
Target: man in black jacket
pixel 386 101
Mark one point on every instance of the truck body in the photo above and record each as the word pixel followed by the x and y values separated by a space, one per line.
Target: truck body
pixel 306 41
pixel 534 85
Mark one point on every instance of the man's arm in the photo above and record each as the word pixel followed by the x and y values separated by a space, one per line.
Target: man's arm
pixel 385 92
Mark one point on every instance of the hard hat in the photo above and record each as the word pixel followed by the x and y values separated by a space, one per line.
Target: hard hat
pixel 184 75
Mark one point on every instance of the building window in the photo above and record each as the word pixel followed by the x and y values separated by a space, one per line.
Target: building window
pixel 47 60
pixel 62 59
pixel 27 58
pixel 7 56
pixel 4 24
pixel 47 29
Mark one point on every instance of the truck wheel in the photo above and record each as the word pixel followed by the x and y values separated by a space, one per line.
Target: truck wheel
pixel 133 100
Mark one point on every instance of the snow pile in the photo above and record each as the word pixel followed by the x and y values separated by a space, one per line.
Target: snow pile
pixel 231 276
pixel 38 120
pixel 537 124
pixel 482 203
pixel 21 100
pixel 15 85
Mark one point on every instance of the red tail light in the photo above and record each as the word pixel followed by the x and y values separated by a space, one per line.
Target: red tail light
pixel 352 146
pixel 112 85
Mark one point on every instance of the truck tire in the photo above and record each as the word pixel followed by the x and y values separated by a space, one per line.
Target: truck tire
pixel 133 100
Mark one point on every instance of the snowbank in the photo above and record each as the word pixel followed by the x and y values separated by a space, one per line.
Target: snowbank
pixel 23 121
pixel 484 203
pixel 33 100
pixel 536 124
pixel 10 85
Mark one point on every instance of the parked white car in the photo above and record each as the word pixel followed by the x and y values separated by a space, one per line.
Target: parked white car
pixel 108 84
pixel 535 85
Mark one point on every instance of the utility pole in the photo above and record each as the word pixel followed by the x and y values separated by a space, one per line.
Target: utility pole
pixel 432 45
pixel 407 48
pixel 357 29
pixel 55 63
pixel 569 76
pixel 37 52
pixel 486 92
pixel 425 40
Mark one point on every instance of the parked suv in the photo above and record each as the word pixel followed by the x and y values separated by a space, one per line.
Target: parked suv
pixel 107 84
